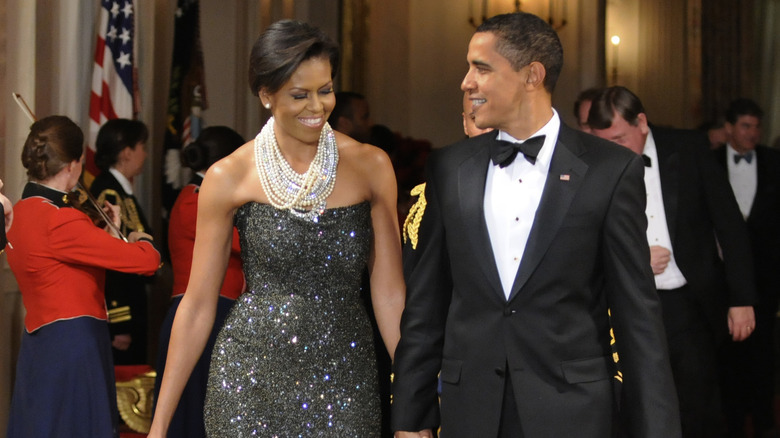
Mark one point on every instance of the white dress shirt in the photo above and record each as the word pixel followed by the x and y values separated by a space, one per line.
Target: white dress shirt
pixel 743 177
pixel 127 186
pixel 657 228
pixel 512 196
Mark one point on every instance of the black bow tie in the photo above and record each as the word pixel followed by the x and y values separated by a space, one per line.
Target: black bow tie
pixel 747 156
pixel 647 160
pixel 504 152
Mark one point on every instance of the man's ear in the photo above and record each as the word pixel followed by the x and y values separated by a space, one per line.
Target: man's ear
pixel 729 128
pixel 641 119
pixel 535 74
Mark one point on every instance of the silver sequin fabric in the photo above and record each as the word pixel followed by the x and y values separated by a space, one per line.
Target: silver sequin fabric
pixel 295 357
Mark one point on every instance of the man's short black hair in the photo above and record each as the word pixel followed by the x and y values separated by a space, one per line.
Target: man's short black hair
pixel 743 107
pixel 343 106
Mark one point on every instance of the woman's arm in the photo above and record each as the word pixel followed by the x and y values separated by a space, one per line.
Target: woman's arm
pixel 387 284
pixel 195 315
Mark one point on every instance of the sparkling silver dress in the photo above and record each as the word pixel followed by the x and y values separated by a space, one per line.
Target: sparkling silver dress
pixel 295 357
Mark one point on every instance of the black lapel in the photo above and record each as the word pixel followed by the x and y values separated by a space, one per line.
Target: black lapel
pixel 472 174
pixel 567 171
pixel 669 171
pixel 762 182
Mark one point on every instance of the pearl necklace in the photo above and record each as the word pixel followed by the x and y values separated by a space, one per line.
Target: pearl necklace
pixel 304 194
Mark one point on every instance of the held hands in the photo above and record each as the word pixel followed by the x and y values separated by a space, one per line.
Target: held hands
pixel 427 433
pixel 659 259
pixel 742 322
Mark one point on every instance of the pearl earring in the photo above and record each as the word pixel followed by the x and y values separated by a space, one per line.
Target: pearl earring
pixel 267 106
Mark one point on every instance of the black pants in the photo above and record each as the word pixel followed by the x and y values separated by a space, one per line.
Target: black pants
pixel 694 363
pixel 509 426
pixel 748 375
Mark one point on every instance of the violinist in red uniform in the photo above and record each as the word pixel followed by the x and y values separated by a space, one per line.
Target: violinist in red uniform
pixel 213 144
pixel 65 375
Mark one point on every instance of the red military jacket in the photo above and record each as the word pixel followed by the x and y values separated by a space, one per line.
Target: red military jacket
pixel 181 241
pixel 59 258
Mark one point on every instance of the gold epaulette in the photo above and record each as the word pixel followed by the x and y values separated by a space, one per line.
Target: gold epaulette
pixel 413 219
pixel 120 314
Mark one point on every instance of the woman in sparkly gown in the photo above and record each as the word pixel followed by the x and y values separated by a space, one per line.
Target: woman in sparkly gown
pixel 313 208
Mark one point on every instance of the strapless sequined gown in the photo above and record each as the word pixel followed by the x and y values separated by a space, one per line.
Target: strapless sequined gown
pixel 295 356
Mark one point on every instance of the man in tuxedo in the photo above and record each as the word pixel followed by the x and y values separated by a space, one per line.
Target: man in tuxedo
pixel 754 174
pixel 521 253
pixel 693 218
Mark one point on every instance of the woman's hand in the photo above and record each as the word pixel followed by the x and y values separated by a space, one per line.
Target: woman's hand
pixel 135 236
pixel 112 212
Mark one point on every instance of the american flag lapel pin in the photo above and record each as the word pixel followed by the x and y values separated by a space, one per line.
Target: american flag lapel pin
pixel 565 177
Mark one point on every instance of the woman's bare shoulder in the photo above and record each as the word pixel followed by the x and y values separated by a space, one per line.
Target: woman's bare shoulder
pixel 363 155
pixel 234 175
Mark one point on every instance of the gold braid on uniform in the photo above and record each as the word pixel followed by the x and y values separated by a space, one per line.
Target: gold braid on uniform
pixel 413 219
pixel 128 212
pixel 133 219
pixel 619 375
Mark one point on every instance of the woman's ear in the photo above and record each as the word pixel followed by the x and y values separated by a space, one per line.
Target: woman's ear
pixel 264 98
pixel 123 154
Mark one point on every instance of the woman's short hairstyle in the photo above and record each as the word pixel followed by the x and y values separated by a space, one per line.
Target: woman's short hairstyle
pixel 213 144
pixel 114 136
pixel 53 143
pixel 281 49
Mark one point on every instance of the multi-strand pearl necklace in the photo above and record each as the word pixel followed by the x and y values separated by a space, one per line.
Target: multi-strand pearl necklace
pixel 303 194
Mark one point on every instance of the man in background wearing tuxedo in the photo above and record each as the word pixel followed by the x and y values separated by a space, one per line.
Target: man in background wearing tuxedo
pixel 754 173
pixel 693 218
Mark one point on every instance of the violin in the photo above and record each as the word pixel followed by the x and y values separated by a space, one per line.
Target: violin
pixel 81 199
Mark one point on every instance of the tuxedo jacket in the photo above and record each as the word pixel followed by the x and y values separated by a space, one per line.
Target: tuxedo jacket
pixel 704 221
pixel 763 221
pixel 586 253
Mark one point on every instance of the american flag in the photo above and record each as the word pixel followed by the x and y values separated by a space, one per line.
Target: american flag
pixel 114 78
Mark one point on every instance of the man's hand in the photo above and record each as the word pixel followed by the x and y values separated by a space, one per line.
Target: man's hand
pixel 427 433
pixel 659 259
pixel 742 322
